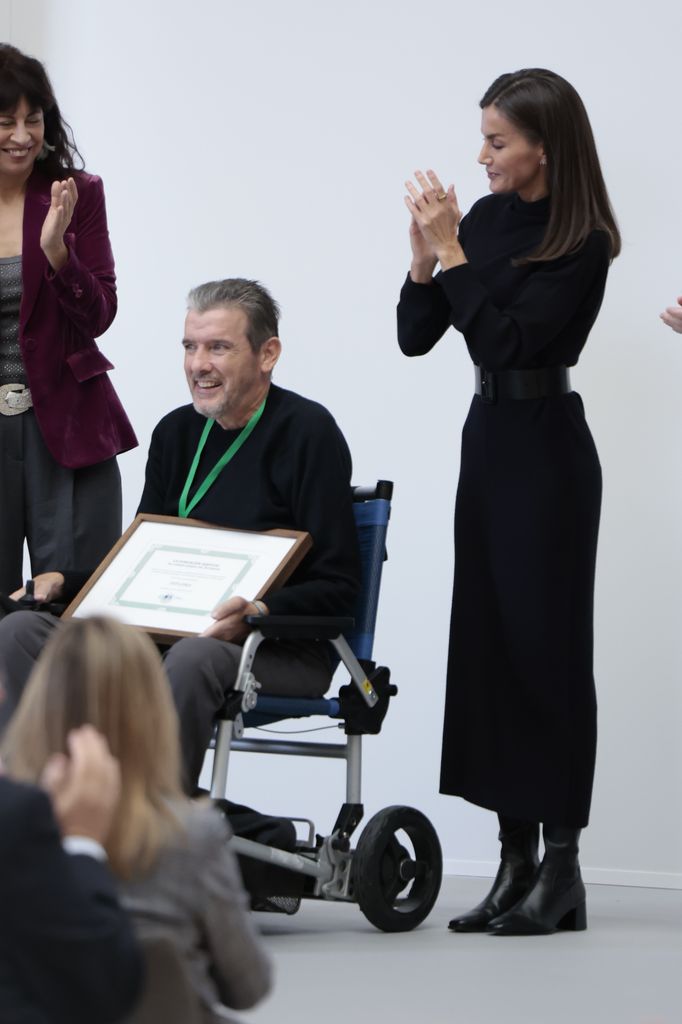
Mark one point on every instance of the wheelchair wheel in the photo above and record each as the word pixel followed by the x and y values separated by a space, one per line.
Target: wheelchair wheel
pixel 397 869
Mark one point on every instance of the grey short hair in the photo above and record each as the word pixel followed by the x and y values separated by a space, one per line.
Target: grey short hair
pixel 261 311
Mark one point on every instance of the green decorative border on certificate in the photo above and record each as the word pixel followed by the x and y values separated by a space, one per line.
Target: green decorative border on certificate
pixel 247 562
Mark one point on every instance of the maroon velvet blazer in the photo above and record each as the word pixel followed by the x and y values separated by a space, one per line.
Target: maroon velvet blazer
pixel 78 411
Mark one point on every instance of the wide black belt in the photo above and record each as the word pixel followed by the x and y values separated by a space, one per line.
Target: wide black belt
pixel 540 383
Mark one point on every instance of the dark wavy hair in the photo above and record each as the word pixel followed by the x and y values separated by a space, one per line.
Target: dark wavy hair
pixel 25 76
pixel 547 110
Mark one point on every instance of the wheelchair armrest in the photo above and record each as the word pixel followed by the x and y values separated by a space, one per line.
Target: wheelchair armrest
pixel 300 627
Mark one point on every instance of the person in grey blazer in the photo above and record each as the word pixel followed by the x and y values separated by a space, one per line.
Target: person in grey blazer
pixel 194 895
pixel 177 874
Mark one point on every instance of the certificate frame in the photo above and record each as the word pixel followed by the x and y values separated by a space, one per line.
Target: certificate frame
pixel 164 571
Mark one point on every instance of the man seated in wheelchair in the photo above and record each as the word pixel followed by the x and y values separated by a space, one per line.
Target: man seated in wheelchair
pixel 292 471
pixel 250 455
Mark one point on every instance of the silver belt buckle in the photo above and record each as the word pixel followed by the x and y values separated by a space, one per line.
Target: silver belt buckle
pixel 14 399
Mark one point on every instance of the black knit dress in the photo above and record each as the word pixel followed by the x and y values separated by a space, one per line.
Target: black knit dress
pixel 520 714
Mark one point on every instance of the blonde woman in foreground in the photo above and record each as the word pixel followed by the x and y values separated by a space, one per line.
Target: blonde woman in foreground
pixel 177 875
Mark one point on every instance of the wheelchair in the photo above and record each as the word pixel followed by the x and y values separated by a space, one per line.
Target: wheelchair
pixel 395 870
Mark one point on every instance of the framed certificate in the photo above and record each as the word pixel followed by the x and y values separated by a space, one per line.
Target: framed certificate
pixel 166 575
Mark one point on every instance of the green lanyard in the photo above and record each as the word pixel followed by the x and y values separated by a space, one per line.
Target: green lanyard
pixel 184 509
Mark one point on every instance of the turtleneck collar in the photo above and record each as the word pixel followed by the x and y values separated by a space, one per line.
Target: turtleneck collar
pixel 537 210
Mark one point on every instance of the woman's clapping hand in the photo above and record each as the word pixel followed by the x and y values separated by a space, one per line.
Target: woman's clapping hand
pixel 63 199
pixel 433 231
pixel 672 316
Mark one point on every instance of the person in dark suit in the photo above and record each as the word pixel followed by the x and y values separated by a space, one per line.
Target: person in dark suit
pixel 67 951
pixel 61 422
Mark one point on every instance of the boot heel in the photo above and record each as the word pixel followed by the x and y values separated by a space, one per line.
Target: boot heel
pixel 575 920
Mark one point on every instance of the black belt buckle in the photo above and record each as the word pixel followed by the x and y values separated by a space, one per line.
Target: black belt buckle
pixel 488 389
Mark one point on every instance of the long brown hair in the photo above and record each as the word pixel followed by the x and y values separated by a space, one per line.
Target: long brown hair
pixel 108 675
pixel 546 108
pixel 21 75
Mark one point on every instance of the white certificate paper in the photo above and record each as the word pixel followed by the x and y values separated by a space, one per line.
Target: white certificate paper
pixel 167 576
pixel 182 579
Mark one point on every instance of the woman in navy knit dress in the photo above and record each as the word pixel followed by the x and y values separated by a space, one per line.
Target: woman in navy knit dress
pixel 522 278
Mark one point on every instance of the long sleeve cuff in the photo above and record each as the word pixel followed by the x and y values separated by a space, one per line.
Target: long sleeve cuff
pixel 84 845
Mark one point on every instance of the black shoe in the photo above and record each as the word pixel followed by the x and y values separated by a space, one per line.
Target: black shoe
pixel 518 862
pixel 556 899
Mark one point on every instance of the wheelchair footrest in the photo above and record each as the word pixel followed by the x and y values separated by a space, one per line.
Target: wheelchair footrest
pixel 276 904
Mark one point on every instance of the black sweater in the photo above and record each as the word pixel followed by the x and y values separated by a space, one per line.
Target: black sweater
pixel 293 472
pixel 538 314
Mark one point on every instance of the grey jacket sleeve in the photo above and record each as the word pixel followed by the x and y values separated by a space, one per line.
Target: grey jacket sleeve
pixel 242 969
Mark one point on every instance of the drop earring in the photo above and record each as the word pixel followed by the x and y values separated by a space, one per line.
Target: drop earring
pixel 543 161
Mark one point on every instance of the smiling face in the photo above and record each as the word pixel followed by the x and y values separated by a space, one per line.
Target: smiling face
pixel 22 132
pixel 227 379
pixel 512 162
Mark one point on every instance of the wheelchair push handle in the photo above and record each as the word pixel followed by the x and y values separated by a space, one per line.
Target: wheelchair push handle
pixel 383 489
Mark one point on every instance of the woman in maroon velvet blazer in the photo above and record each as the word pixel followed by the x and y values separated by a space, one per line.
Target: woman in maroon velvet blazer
pixel 61 423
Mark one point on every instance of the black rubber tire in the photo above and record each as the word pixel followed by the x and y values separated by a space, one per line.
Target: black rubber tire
pixel 377 864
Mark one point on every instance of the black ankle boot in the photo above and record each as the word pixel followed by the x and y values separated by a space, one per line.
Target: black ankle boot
pixel 518 861
pixel 556 899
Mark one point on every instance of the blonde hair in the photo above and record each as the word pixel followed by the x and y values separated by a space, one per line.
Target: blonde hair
pixel 100 672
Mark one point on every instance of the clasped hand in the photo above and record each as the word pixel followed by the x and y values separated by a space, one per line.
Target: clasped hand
pixel 433 229
pixel 63 199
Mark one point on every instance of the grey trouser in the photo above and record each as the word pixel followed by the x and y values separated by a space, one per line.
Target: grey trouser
pixel 201 671
pixel 70 518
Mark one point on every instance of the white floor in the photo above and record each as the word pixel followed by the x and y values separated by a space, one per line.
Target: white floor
pixel 334 967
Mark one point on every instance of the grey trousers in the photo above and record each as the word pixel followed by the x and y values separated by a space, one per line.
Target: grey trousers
pixel 70 518
pixel 201 671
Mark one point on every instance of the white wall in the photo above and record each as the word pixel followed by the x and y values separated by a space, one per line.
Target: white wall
pixel 272 139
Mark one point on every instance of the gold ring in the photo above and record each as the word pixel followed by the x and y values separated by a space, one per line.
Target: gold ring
pixel 441 196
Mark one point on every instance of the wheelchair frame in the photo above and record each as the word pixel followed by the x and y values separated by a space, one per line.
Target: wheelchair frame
pixel 395 888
